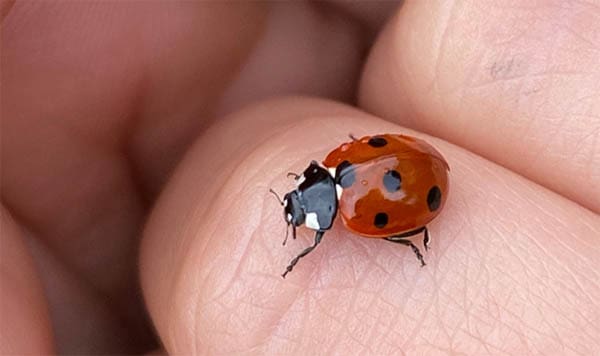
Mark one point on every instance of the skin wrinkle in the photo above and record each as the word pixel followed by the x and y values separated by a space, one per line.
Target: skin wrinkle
pixel 395 320
pixel 284 313
pixel 501 234
pixel 479 335
pixel 344 321
pixel 466 300
pixel 561 241
pixel 567 29
pixel 172 324
pixel 498 323
pixel 533 297
pixel 593 134
pixel 399 64
pixel 339 326
pixel 587 165
pixel 441 50
pixel 305 312
pixel 244 256
pixel 537 300
pixel 400 311
pixel 488 324
pixel 526 327
pixel 259 342
pixel 196 305
pixel 438 314
pixel 543 75
pixel 375 297
pixel 353 299
pixel 235 273
pixel 455 328
pixel 524 336
pixel 385 327
pixel 417 324
pixel 547 145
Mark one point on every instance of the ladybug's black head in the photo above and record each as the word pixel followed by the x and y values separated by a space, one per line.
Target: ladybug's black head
pixel 314 201
pixel 292 211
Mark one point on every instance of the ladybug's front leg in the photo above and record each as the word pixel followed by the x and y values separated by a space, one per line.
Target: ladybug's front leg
pixel 318 237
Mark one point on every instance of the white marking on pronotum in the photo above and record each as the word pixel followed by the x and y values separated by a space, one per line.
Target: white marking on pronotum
pixel 332 171
pixel 300 180
pixel 289 217
pixel 339 190
pixel 285 203
pixel 311 221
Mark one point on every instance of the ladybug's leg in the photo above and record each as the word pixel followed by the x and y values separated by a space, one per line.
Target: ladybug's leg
pixel 287 233
pixel 401 240
pixel 409 244
pixel 292 174
pixel 318 237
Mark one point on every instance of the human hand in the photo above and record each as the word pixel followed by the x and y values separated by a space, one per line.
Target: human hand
pixel 93 129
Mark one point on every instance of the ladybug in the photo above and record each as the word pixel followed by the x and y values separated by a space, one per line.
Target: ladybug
pixel 385 186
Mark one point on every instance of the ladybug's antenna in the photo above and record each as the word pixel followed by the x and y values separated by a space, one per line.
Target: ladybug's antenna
pixel 287 232
pixel 352 137
pixel 276 196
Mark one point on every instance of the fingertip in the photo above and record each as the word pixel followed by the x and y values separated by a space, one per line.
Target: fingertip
pixel 521 95
pixel 214 242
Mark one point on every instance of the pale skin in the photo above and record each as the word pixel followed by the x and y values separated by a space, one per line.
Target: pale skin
pixel 106 107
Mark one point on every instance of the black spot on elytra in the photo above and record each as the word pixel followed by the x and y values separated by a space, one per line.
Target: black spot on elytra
pixel 377 141
pixel 434 198
pixel 344 174
pixel 392 181
pixel 381 219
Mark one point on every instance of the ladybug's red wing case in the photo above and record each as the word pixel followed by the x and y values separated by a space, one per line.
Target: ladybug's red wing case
pixel 372 147
pixel 390 184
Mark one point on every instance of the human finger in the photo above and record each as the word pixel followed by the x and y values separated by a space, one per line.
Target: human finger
pixel 512 262
pixel 98 101
pixel 25 327
pixel 515 84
